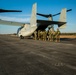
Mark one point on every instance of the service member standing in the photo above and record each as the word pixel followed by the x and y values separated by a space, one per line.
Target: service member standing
pixel 39 35
pixel 35 35
pixel 50 35
pixel 44 35
pixel 57 35
pixel 53 35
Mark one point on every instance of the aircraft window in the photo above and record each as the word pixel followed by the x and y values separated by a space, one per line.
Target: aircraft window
pixel 19 29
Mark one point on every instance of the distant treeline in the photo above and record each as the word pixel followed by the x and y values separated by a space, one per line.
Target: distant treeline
pixel 68 33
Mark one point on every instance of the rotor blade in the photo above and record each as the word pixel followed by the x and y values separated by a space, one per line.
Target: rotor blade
pixel 50 15
pixel 69 10
pixel 44 15
pixel 56 14
pixel 60 13
pixel 3 10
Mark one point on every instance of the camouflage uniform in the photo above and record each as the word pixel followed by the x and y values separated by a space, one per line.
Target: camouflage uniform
pixel 39 35
pixel 48 32
pixel 57 35
pixel 44 35
pixel 35 35
pixel 53 35
pixel 50 35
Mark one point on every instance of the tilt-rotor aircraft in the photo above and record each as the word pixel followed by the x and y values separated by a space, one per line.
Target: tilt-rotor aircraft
pixel 35 24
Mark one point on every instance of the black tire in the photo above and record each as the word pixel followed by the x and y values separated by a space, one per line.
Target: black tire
pixel 21 37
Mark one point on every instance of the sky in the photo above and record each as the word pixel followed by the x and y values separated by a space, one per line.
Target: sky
pixel 43 6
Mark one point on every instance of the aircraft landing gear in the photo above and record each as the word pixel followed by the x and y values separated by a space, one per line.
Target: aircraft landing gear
pixel 21 37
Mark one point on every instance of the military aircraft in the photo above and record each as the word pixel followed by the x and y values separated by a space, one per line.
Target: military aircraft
pixel 4 10
pixel 35 24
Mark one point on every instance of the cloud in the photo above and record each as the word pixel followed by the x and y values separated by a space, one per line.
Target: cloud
pixel 23 15
pixel 15 19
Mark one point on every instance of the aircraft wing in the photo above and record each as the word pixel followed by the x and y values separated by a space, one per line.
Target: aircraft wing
pixel 43 24
pixel 11 23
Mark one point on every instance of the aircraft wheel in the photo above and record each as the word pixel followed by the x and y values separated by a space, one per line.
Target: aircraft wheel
pixel 21 37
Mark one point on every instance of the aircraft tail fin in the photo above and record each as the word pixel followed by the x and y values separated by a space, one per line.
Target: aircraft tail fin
pixel 63 18
pixel 33 15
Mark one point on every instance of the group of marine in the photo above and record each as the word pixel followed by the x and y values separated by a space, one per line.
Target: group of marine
pixel 50 35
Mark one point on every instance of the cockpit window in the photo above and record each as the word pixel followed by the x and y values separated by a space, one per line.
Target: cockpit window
pixel 19 29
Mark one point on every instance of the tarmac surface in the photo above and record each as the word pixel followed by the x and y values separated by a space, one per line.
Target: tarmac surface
pixel 34 57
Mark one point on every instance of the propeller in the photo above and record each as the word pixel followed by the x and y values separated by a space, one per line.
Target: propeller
pixel 50 15
pixel 3 10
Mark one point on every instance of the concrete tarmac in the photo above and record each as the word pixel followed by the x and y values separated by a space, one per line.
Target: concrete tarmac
pixel 34 57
